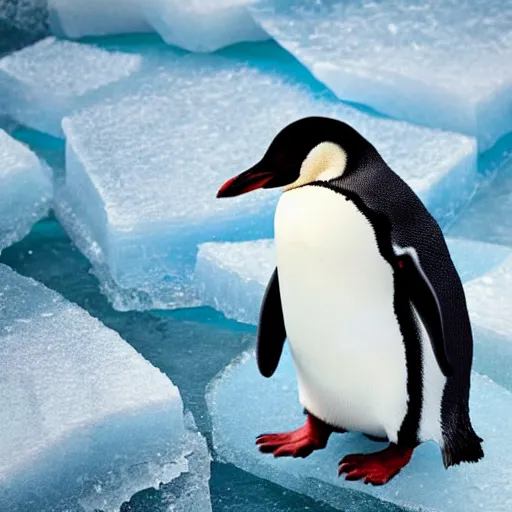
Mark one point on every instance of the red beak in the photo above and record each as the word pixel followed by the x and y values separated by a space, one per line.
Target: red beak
pixel 245 182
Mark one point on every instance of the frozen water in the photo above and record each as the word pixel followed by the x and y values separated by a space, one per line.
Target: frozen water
pixel 25 190
pixel 44 82
pixel 492 351
pixel 473 259
pixel 198 25
pixel 242 397
pixel 487 216
pixel 203 25
pixel 490 299
pixel 143 167
pixel 232 277
pixel 75 18
pixel 85 418
pixel 438 63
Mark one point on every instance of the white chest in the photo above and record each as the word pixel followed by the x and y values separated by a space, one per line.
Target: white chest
pixel 337 295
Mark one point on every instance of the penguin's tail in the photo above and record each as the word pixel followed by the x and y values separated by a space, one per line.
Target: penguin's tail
pixel 462 445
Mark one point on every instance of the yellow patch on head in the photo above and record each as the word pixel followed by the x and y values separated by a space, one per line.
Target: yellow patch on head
pixel 323 163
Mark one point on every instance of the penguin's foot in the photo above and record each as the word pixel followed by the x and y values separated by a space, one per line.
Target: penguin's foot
pixel 297 443
pixel 375 468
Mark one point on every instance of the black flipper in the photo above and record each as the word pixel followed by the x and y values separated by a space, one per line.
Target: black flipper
pixel 271 329
pixel 426 303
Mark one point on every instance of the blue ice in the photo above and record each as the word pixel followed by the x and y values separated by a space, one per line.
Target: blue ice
pixel 86 420
pixel 143 164
pixel 437 63
pixel 44 82
pixel 489 300
pixel 243 405
pixel 231 277
pixel 25 190
pixel 486 217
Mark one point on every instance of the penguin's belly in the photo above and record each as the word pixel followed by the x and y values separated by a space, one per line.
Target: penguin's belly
pixel 337 294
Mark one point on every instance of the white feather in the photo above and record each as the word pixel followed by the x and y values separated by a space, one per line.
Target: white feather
pixel 324 162
pixel 337 294
pixel 433 387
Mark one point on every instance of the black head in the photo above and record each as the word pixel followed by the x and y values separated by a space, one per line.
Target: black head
pixel 281 165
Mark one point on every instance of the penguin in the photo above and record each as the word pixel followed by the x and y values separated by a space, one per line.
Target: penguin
pixel 369 300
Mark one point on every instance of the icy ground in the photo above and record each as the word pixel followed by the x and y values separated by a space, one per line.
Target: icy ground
pixel 106 399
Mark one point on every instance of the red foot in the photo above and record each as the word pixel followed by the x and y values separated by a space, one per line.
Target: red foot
pixel 376 468
pixel 297 443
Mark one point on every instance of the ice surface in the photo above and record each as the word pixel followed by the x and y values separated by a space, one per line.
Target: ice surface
pixel 438 63
pixel 197 25
pixel 490 303
pixel 85 418
pixel 232 277
pixel 241 396
pixel 25 190
pixel 143 168
pixel 203 25
pixel 75 18
pixel 44 82
pixel 487 217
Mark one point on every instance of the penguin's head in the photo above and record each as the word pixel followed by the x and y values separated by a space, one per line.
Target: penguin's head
pixel 310 149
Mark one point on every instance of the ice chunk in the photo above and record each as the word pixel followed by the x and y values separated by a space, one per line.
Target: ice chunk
pixel 232 277
pixel 200 25
pixel 487 216
pixel 143 168
pixel 241 396
pixel 44 82
pixel 473 259
pixel 191 493
pixel 490 301
pixel 203 25
pixel 85 418
pixel 75 18
pixel 25 190
pixel 438 63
